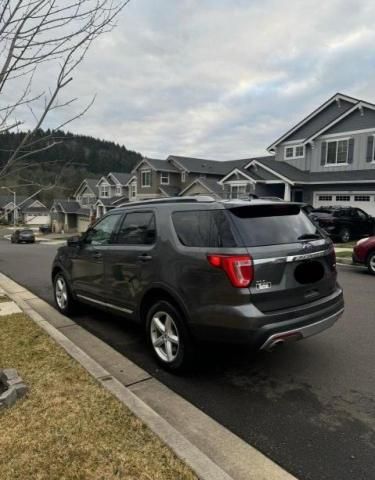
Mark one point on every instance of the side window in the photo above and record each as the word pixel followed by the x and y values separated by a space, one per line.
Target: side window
pixel 138 228
pixel 362 215
pixel 101 233
pixel 203 229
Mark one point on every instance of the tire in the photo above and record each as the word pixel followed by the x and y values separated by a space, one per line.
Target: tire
pixel 64 300
pixel 344 235
pixel 164 319
pixel 370 262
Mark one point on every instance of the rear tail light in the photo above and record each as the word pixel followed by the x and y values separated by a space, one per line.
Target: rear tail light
pixel 239 268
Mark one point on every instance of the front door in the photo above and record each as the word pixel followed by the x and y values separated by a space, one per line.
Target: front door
pixel 297 196
pixel 88 261
pixel 131 260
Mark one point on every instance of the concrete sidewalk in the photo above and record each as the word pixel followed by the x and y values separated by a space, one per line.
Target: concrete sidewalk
pixel 212 451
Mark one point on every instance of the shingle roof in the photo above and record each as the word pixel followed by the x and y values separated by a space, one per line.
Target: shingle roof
pixel 35 210
pixel 169 190
pixel 123 178
pixel 91 182
pixel 212 185
pixel 69 206
pixel 161 165
pixel 203 166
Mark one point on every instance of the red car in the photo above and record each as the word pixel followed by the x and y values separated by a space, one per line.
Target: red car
pixel 364 253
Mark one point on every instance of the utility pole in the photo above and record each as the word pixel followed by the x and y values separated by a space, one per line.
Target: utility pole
pixel 14 203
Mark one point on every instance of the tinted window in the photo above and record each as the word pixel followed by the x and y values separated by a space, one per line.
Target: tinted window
pixel 273 224
pixel 102 232
pixel 203 229
pixel 138 228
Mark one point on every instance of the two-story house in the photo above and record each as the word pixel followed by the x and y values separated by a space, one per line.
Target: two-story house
pixel 327 158
pixel 180 176
pixel 92 199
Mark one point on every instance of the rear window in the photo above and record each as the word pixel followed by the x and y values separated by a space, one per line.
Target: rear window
pixel 26 231
pixel 201 228
pixel 273 225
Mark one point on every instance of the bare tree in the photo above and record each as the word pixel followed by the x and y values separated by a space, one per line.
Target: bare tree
pixel 46 38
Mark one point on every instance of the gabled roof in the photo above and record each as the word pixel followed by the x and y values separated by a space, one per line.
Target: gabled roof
pixel 106 180
pixel 210 184
pixel 67 206
pixel 157 165
pixel 331 114
pixel 108 202
pixel 358 106
pixel 122 178
pixel 169 190
pixel 91 184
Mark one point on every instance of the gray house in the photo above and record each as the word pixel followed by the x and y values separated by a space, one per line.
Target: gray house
pixel 326 159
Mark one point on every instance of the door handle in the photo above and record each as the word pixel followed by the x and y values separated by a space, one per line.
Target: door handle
pixel 144 257
pixel 97 255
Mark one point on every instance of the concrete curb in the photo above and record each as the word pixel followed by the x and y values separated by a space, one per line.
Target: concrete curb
pixel 209 449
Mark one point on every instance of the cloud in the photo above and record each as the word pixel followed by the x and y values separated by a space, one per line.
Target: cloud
pixel 223 78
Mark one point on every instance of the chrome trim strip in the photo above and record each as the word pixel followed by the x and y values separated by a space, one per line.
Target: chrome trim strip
pixel 291 258
pixel 307 330
pixel 121 309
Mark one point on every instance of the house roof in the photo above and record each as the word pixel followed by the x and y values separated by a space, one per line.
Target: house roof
pixel 123 178
pixel 108 202
pixel 68 206
pixel 203 166
pixel 320 117
pixel 157 164
pixel 35 209
pixel 91 183
pixel 169 190
pixel 211 184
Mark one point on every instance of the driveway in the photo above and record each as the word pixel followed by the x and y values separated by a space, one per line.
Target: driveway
pixel 309 406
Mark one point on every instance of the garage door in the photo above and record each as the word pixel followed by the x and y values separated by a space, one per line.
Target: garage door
pixel 83 223
pixel 363 200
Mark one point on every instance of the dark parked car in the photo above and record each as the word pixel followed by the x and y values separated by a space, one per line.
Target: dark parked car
pixel 23 236
pixel 344 223
pixel 253 272
pixel 364 253
pixel 45 228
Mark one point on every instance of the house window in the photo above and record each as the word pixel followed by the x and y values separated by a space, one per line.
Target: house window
pixel 164 178
pixel 342 198
pixel 118 190
pixel 337 152
pixel 133 190
pixel 361 198
pixel 104 191
pixel 296 151
pixel 237 191
pixel 325 198
pixel 183 177
pixel 146 178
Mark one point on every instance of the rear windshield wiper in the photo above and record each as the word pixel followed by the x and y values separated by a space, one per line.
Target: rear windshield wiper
pixel 309 236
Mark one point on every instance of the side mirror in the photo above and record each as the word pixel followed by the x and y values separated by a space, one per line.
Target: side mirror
pixel 74 241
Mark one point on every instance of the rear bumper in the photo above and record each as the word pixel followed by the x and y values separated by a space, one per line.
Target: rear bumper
pixel 301 332
pixel 247 325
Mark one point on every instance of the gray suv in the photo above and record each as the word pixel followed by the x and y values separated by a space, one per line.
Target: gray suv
pixel 189 269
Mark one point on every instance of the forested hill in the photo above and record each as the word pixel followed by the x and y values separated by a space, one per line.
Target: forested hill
pixel 77 157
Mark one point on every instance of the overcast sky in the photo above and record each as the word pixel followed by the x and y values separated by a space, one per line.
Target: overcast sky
pixel 223 78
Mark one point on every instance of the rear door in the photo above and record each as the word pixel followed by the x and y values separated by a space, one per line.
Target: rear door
pixel 293 260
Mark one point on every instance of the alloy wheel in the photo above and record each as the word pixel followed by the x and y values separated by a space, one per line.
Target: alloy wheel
pixel 372 263
pixel 61 292
pixel 164 336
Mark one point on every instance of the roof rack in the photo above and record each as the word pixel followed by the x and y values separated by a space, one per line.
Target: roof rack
pixel 155 201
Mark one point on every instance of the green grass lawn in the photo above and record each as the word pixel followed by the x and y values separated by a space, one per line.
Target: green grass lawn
pixel 69 427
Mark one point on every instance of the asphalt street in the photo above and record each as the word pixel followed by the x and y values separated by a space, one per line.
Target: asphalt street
pixel 310 406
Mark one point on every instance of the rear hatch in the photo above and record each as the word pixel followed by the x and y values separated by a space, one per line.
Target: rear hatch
pixel 294 263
